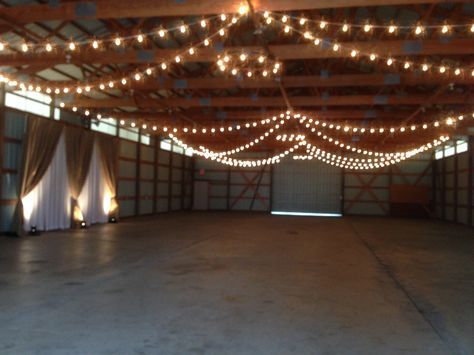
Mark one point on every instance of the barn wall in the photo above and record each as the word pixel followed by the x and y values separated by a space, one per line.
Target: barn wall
pixel 453 181
pixel 233 188
pixel 145 185
pixel 368 192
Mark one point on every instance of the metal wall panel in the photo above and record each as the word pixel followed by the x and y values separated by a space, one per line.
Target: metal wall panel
pixel 306 186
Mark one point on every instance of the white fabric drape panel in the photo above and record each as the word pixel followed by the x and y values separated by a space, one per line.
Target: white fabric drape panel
pixel 47 206
pixel 93 194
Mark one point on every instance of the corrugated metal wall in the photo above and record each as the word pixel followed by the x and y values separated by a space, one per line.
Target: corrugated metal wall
pixel 454 181
pixel 13 129
pixel 152 180
pixel 233 188
pixel 306 186
pixel 146 184
pixel 368 192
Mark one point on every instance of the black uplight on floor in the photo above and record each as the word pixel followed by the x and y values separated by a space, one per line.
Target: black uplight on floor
pixel 34 231
pixel 112 219
pixel 83 225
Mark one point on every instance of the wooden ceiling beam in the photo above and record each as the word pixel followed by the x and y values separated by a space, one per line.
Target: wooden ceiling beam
pixel 297 101
pixel 299 81
pixel 226 116
pixel 112 9
pixel 396 48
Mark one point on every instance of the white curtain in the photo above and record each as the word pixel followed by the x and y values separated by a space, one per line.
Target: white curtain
pixel 47 207
pixel 94 199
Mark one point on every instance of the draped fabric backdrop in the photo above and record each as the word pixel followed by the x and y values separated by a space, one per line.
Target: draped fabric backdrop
pixel 94 198
pixel 79 146
pixel 47 205
pixel 41 141
pixel 108 147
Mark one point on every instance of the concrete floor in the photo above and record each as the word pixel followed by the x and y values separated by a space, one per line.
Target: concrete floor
pixel 190 283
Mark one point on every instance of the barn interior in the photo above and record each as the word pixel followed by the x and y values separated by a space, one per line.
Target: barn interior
pixel 236 177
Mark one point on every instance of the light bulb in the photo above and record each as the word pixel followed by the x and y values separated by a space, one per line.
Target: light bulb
pixel 367 27
pixel 243 57
pixel 442 69
pixel 177 59
pixel 163 66
pixel 372 57
pixel 101 86
pixel 191 51
pixel 149 71
pixel 345 27
pixel 353 53
pixel 95 44
pixel 124 81
pixel 389 61
pixel 317 41
pixel 457 71
pixel 302 21
pixel 445 29
pixel 265 73
pixel 392 29
pixel 424 67
pixel 243 9
pixel 206 42
pixel 49 47
pixel 161 33
pixel 406 65
pixel 2 46
pixel 140 38
pixel 72 46
pixel 287 29
pixel 261 59
pixel 284 19
pixel 323 24
pixel 223 17
pixel 182 28
pixel 221 32
pixel 418 30
pixel 137 76
pixel 24 47
pixel 118 41
pixel 234 71
pixel 203 23
pixel 335 48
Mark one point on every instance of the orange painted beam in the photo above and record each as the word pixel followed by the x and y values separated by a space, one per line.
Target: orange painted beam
pixel 109 9
pixel 395 48
pixel 299 101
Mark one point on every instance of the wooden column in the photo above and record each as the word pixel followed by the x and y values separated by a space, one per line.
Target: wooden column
pixel 155 172
pixel 470 183
pixel 183 175
pixel 455 184
pixel 170 178
pixel 343 187
pixel 137 174
pixel 228 189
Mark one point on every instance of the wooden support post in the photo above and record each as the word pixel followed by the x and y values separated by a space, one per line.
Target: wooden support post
pixel 2 133
pixel 390 181
pixel 228 189
pixel 271 188
pixel 343 187
pixel 137 175
pixel 434 192
pixel 170 178
pixel 443 189
pixel 470 183
pixel 156 156
pixel 455 185
pixel 193 163
pixel 183 175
